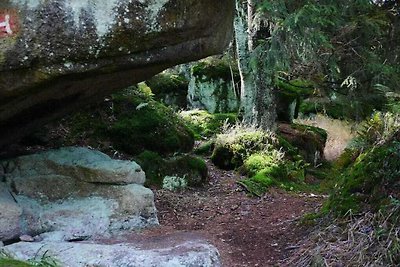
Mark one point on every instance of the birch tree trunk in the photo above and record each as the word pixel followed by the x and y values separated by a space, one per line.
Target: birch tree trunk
pixel 257 98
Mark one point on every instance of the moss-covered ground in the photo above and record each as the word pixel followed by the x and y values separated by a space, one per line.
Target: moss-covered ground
pixel 205 125
pixel 131 121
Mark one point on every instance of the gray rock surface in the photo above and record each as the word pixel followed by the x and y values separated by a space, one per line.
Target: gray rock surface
pixel 81 163
pixel 75 191
pixel 10 214
pixel 56 56
pixel 186 254
pixel 215 96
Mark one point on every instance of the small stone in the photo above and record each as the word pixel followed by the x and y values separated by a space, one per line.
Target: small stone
pixel 77 238
pixel 26 238
pixel 292 247
pixel 234 207
pixel 38 238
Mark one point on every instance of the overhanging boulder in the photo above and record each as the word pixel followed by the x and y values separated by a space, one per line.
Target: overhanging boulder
pixel 59 55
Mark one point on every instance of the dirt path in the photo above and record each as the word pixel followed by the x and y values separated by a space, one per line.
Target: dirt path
pixel 247 231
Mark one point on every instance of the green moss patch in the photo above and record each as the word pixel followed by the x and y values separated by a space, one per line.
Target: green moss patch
pixel 204 124
pixel 215 69
pixel 170 88
pixel 165 83
pixel 14 263
pixel 286 175
pixel 297 86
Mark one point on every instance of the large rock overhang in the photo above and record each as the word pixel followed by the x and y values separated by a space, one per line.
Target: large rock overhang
pixel 59 55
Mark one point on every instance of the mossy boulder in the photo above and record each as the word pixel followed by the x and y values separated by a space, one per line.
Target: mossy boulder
pixel 310 141
pixel 214 68
pixel 234 146
pixel 170 89
pixel 60 56
pixel 289 96
pixel 131 122
pixel 225 158
pixel 143 123
pixel 265 158
pixel 204 125
pixel 191 168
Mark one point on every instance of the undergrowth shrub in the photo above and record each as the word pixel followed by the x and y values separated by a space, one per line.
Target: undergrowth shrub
pixel 376 130
pixel 370 180
pixel 360 222
pixel 370 167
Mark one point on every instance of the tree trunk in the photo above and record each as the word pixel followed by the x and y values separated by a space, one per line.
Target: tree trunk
pixel 257 98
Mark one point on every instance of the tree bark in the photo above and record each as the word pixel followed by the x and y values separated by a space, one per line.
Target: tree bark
pixel 258 106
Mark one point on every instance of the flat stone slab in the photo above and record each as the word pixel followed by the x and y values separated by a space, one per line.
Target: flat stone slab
pixel 81 163
pixel 193 253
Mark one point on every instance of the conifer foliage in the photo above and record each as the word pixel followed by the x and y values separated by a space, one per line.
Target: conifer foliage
pixel 347 49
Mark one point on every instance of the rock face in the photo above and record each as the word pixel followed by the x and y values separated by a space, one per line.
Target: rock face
pixel 10 213
pixel 73 192
pixel 214 86
pixel 58 55
pixel 216 96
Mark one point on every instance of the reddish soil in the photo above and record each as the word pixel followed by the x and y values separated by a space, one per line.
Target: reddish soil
pixel 247 231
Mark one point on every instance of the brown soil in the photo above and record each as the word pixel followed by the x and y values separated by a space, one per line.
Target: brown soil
pixel 247 231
